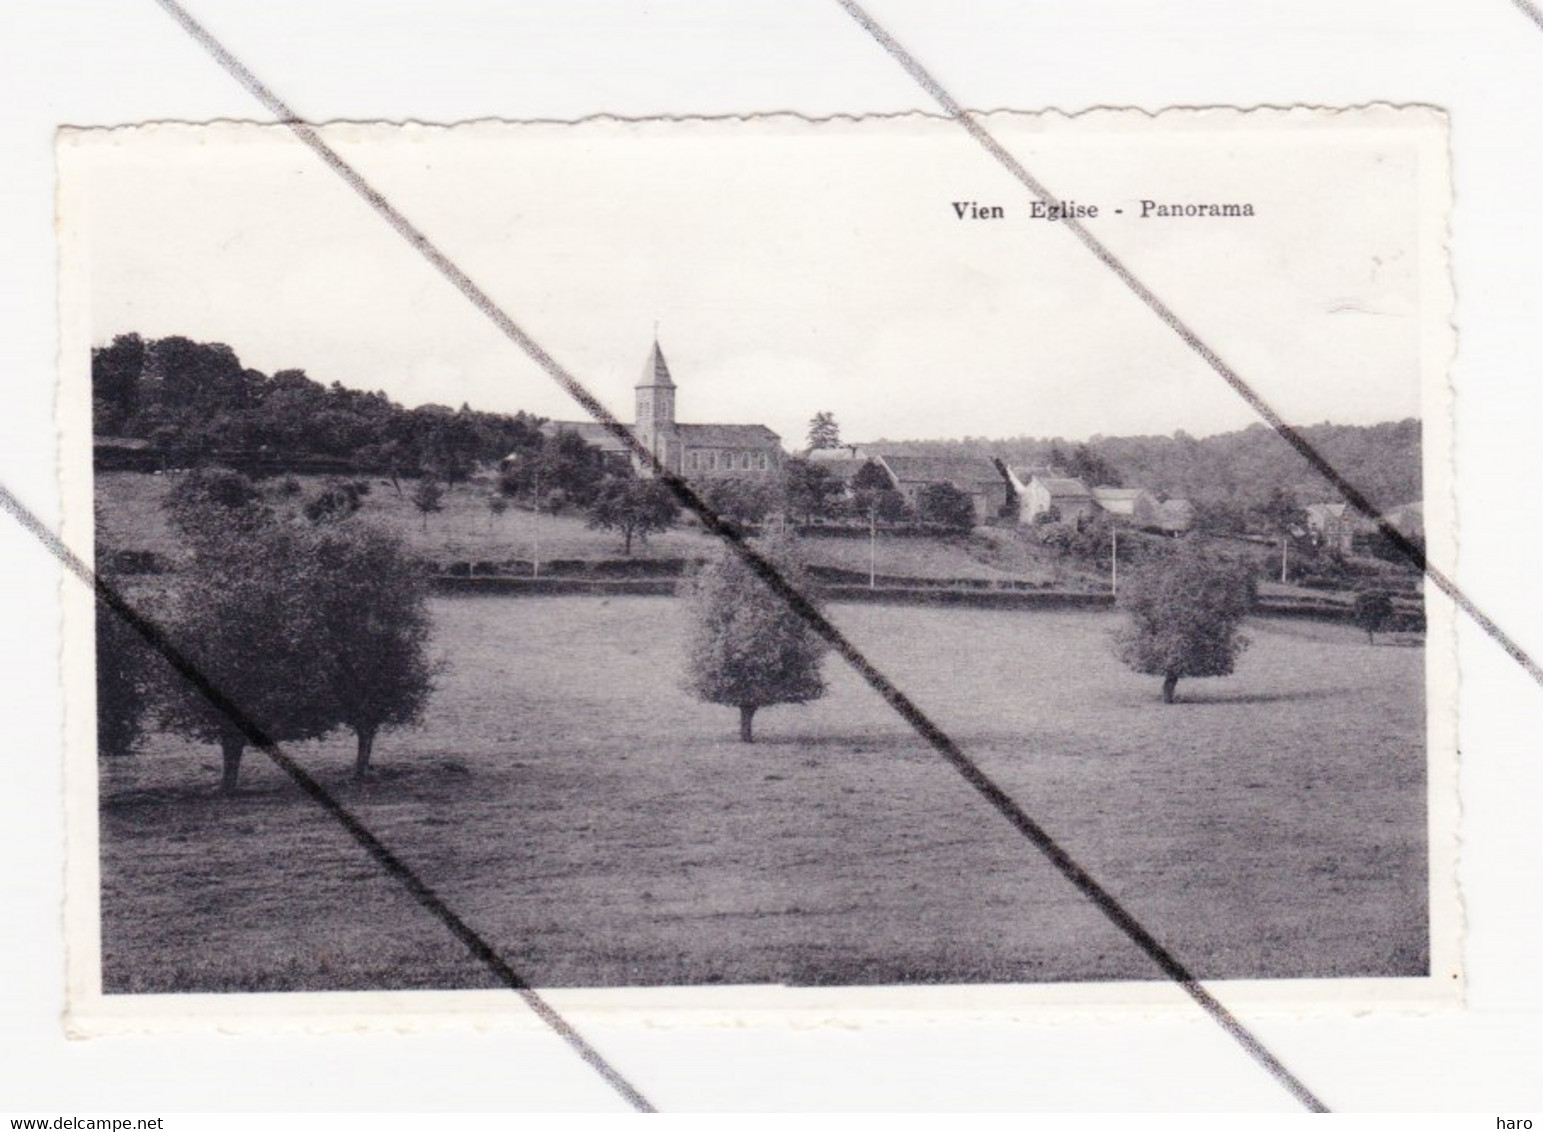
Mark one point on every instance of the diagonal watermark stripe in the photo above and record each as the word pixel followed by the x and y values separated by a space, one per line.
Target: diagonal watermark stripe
pixel 1531 11
pixel 929 731
pixel 1347 490
pixel 377 849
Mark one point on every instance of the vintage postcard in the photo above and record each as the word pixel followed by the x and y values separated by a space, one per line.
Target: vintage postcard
pixel 506 650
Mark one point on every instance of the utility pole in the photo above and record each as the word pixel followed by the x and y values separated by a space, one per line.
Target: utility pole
pixel 1114 561
pixel 873 539
pixel 1283 560
pixel 535 529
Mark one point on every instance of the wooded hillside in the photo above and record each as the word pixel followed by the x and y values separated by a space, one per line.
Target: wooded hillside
pixel 193 400
pixel 1242 469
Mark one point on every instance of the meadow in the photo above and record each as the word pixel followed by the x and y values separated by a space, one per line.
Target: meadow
pixel 600 827
pixel 466 531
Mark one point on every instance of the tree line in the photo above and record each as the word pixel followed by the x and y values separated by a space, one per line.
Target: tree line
pixel 194 402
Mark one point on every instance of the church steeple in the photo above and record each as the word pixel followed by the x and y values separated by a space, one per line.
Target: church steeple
pixel 655 417
pixel 655 372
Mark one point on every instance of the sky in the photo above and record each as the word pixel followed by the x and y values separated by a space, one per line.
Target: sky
pixel 791 267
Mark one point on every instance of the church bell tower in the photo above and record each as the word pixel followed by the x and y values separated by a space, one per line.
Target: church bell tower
pixel 655 419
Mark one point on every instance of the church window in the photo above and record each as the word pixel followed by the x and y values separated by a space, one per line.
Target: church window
pixel 712 460
pixel 764 464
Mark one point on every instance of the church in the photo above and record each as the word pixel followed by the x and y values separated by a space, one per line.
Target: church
pixel 693 451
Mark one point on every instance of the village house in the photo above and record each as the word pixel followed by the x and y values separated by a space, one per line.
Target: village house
pixel 1337 526
pixel 975 476
pixel 694 451
pixel 1040 493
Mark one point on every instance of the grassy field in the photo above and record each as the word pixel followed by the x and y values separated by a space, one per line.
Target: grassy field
pixel 465 531
pixel 600 827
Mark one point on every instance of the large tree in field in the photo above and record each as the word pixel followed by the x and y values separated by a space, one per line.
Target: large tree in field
pixel 746 648
pixel 634 508
pixel 369 597
pixel 244 615
pixel 1184 610
pixel 1373 612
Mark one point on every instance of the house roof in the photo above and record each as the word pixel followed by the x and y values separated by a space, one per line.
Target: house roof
pixel 591 432
pixel 1407 517
pixel 1118 500
pixel 655 372
pixel 1059 487
pixel 844 470
pixel 838 454
pixel 729 435
pixel 1326 510
pixel 961 471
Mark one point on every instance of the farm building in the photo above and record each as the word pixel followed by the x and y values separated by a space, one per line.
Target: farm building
pixel 975 476
pixel 696 451
pixel 843 468
pixel 1132 505
pixel 1040 493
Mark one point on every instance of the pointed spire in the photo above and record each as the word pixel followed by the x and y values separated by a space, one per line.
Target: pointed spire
pixel 655 372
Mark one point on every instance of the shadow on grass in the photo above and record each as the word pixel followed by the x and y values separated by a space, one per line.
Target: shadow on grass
pixel 1225 699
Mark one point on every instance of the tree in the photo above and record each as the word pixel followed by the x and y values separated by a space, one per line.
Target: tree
pixel 125 673
pixel 338 500
pixel 1219 517
pixel 946 505
pixel 742 502
pixel 428 497
pixel 633 507
pixel 1279 514
pixel 824 432
pixel 1373 612
pixel 811 490
pixel 563 467
pixel 244 616
pixel 370 599
pixel 115 374
pixel 745 647
pixel 390 458
pixel 872 477
pixel 1185 607
pixel 214 502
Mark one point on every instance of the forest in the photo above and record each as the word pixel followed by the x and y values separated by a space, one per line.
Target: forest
pixel 194 402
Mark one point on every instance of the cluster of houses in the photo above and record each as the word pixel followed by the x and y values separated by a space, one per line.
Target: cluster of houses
pixel 1042 495
pixel 1340 527
pixel 710 451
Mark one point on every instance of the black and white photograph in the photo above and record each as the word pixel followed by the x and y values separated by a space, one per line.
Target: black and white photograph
pixel 869 556
pixel 648 692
